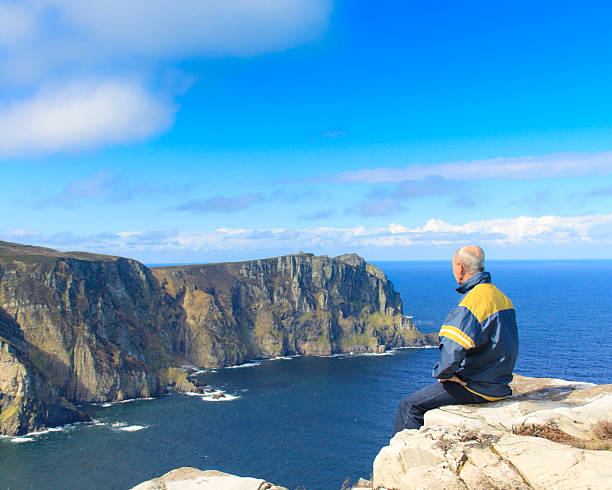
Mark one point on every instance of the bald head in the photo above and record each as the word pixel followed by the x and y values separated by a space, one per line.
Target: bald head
pixel 467 261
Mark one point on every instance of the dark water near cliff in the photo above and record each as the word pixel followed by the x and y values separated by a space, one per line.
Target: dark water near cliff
pixel 311 422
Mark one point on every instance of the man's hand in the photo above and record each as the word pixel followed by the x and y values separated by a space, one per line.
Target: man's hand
pixel 454 379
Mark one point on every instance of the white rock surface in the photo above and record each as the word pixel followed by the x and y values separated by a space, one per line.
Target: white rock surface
pixel 474 446
pixel 194 479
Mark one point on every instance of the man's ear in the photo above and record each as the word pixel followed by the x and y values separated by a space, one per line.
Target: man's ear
pixel 462 269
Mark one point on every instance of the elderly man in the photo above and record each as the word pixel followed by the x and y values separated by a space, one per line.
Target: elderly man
pixel 478 346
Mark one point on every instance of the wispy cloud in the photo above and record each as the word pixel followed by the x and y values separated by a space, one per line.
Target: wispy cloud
pixel 600 192
pixel 104 185
pixel 318 215
pixel 387 201
pixel 519 231
pixel 334 133
pixel 82 115
pixel 233 204
pixel 220 204
pixel 529 167
pixel 368 208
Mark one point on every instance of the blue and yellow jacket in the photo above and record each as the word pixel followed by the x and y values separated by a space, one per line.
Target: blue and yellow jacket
pixel 479 340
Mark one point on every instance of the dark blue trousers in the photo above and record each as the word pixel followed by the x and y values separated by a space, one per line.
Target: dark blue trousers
pixel 413 407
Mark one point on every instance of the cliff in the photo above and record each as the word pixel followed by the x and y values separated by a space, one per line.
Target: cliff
pixel 79 327
pixel 27 400
pixel 296 304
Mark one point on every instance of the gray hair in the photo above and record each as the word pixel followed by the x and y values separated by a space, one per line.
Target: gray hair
pixel 472 257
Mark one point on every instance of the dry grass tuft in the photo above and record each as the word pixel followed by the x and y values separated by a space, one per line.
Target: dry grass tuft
pixel 601 429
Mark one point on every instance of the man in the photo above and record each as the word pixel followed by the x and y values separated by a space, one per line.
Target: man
pixel 478 346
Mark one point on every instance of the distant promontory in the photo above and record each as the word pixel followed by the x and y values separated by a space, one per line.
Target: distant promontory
pixel 78 327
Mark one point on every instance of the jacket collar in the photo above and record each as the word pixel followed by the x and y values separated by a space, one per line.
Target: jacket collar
pixel 475 280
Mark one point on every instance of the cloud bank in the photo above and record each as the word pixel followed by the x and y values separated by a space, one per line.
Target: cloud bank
pixel 507 232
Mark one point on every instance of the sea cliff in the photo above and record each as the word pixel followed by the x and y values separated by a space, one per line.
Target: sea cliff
pixel 78 327
pixel 296 304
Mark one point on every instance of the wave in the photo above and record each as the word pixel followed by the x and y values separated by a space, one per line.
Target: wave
pixel 123 426
pixel 214 396
pixel 110 404
pixel 133 428
pixel 33 436
pixel 17 440
pixel 389 352
pixel 245 365
pixel 417 347
pixel 198 372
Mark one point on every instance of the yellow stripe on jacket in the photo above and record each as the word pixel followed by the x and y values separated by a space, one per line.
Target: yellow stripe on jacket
pixel 488 398
pixel 484 300
pixel 457 335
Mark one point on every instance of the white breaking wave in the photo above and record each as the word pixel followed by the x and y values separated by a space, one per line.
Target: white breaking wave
pixel 245 365
pixel 123 426
pixel 386 353
pixel 32 436
pixel 18 440
pixel 214 397
pixel 417 347
pixel 133 428
pixel 129 400
pixel 199 371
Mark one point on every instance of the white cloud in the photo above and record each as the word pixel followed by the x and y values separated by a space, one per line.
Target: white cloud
pixel 158 28
pixel 508 232
pixel 529 167
pixel 80 115
pixel 90 35
pixel 53 42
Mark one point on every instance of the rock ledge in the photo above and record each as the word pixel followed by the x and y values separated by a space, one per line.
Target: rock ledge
pixel 480 446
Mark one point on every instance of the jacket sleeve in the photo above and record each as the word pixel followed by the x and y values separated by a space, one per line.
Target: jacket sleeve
pixel 456 338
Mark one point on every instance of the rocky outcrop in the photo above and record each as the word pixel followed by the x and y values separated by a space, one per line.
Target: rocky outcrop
pixel 296 304
pixel 95 328
pixel 192 478
pixel 550 434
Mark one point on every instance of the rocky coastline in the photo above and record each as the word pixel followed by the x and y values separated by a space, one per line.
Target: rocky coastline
pixel 80 328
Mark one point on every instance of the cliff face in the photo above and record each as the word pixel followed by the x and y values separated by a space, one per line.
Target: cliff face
pixel 93 324
pixel 296 304
pixel 80 327
pixel 27 400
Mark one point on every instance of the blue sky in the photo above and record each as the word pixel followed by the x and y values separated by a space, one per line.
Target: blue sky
pixel 198 131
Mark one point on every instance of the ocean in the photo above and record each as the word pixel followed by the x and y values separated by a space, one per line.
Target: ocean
pixel 311 422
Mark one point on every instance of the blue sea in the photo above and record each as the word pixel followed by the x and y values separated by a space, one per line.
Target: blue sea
pixel 311 422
